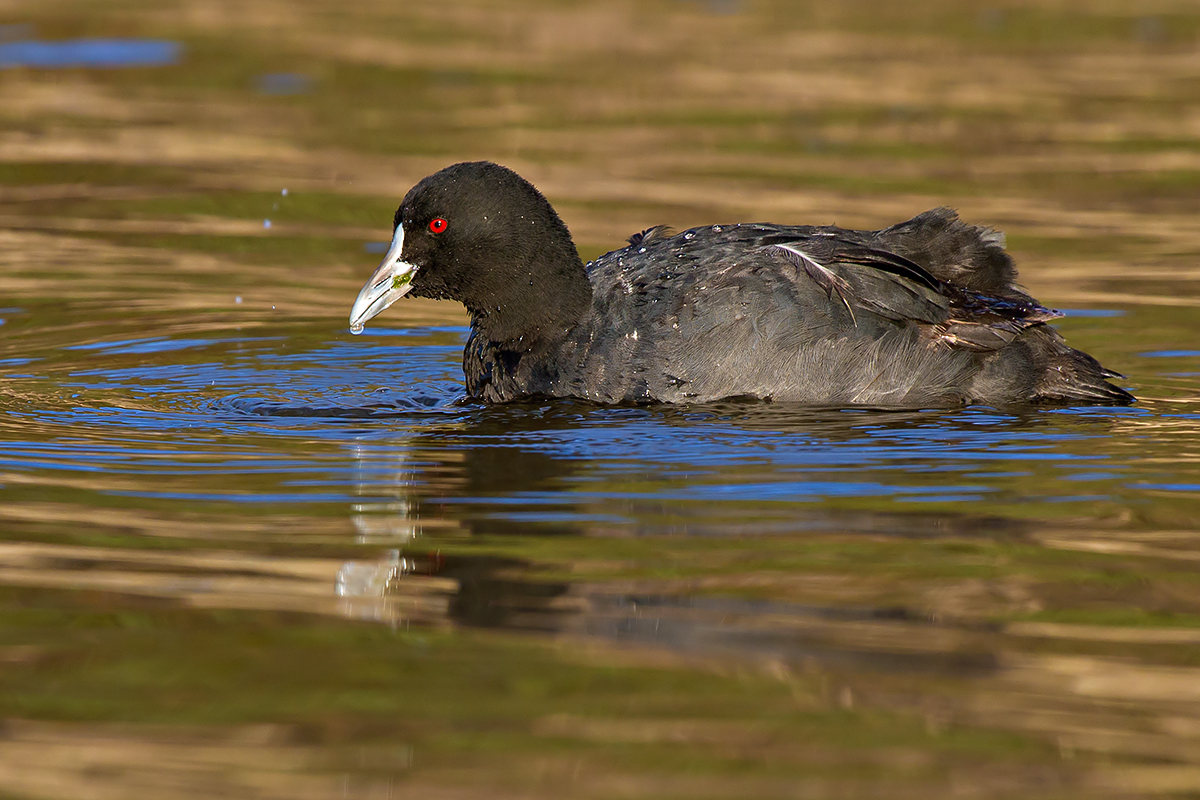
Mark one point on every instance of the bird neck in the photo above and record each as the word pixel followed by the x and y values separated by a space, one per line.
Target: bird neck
pixel 538 305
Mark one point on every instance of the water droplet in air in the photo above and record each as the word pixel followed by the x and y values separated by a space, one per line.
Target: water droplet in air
pixel 237 300
pixel 284 193
pixel 266 223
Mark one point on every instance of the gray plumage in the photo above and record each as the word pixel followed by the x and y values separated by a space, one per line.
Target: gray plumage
pixel 922 314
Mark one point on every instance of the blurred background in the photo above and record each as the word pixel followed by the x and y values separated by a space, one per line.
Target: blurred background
pixel 243 554
pixel 1072 125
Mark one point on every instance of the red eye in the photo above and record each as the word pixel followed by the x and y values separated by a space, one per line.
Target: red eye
pixel 437 225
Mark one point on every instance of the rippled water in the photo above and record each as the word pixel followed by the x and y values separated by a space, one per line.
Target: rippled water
pixel 249 459
pixel 289 467
pixel 244 553
pixel 304 417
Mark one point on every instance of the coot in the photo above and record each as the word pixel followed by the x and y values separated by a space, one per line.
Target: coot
pixel 922 314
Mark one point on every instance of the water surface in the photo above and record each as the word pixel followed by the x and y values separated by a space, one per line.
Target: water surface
pixel 284 561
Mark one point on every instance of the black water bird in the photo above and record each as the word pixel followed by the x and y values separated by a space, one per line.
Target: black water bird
pixel 922 314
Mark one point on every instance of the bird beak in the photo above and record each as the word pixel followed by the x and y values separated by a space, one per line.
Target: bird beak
pixel 390 282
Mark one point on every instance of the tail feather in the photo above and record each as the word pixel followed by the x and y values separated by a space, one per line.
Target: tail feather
pixel 1037 363
pixel 1038 366
pixel 1072 375
pixel 965 255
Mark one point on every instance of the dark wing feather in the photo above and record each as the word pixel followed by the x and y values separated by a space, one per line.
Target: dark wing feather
pixel 848 252
pixel 817 272
pixel 649 235
pixel 864 278
pixel 897 288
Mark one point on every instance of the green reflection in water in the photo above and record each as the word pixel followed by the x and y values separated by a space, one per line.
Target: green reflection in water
pixel 1068 126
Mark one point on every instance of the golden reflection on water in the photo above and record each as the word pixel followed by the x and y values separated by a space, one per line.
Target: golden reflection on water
pixel 112 760
pixel 1001 651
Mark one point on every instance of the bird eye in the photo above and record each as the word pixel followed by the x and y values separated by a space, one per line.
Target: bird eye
pixel 437 225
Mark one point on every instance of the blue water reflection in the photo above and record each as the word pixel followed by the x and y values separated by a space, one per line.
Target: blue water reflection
pixel 283 83
pixel 266 421
pixel 90 53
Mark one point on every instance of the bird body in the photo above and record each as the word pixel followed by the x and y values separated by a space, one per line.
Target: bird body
pixel 921 314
